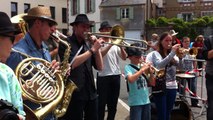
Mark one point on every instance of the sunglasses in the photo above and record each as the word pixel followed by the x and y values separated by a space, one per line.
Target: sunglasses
pixel 12 37
pixel 50 24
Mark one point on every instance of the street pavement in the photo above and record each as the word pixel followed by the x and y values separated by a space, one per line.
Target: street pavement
pixel 123 109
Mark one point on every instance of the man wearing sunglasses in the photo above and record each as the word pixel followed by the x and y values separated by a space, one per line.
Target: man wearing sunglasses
pixel 41 26
pixel 10 90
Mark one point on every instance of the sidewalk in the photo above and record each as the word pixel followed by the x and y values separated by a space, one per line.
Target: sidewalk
pixel 122 111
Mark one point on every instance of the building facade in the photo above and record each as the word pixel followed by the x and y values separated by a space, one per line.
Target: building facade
pixel 58 9
pixel 187 9
pixel 130 14
pixel 88 7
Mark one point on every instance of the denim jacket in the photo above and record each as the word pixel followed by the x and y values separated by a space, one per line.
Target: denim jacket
pixel 27 46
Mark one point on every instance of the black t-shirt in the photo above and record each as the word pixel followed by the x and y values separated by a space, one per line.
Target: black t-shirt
pixel 82 75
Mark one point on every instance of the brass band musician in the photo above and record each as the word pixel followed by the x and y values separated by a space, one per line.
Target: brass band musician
pixel 41 25
pixel 165 57
pixel 83 104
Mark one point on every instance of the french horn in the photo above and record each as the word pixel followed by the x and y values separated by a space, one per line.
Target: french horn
pixel 41 85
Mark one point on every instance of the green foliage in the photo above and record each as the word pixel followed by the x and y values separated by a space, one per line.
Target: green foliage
pixel 199 22
pixel 162 21
pixel 190 29
pixel 151 23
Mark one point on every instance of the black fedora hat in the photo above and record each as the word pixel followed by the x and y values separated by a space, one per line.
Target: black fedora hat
pixel 105 24
pixel 82 18
pixel 6 25
pixel 39 12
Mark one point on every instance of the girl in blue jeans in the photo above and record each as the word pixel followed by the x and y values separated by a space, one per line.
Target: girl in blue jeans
pixel 165 56
pixel 138 99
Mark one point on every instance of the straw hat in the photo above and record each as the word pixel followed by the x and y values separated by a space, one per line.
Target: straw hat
pixel 82 18
pixel 39 12
pixel 173 33
pixel 6 25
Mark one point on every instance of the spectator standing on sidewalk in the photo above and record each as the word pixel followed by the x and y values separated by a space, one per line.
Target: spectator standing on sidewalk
pixel 188 66
pixel 108 79
pixel 199 45
pixel 175 40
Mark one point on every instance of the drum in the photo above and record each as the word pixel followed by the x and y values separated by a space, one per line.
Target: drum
pixel 181 111
pixel 183 75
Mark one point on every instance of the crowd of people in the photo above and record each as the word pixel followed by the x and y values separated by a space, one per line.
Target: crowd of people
pixel 89 102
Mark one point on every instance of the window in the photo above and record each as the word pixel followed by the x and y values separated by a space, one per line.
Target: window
pixel 52 10
pixel 64 15
pixel 123 13
pixel 41 5
pixel 75 7
pixel 26 7
pixel 14 9
pixel 207 0
pixel 187 0
pixel 187 16
pixel 89 6
pixel 207 13
pixel 207 4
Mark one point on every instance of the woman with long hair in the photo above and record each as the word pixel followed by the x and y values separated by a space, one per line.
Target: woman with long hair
pixel 165 57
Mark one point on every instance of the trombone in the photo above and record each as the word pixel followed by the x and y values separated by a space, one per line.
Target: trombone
pixel 117 37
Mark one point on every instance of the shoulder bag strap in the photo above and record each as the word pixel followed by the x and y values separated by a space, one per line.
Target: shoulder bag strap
pixel 136 68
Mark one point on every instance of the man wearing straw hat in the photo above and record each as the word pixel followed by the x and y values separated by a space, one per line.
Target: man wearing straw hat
pixel 84 55
pixel 41 25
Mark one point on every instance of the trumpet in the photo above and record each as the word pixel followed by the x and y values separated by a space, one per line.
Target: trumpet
pixel 157 72
pixel 117 37
pixel 182 52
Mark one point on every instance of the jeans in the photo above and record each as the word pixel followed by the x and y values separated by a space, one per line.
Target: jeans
pixel 164 104
pixel 81 110
pixel 108 88
pixel 140 112
pixel 209 87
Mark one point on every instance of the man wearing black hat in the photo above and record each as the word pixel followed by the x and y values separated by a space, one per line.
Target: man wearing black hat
pixel 108 80
pixel 41 26
pixel 10 89
pixel 83 104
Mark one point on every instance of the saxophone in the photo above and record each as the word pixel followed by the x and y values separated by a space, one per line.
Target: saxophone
pixel 69 85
